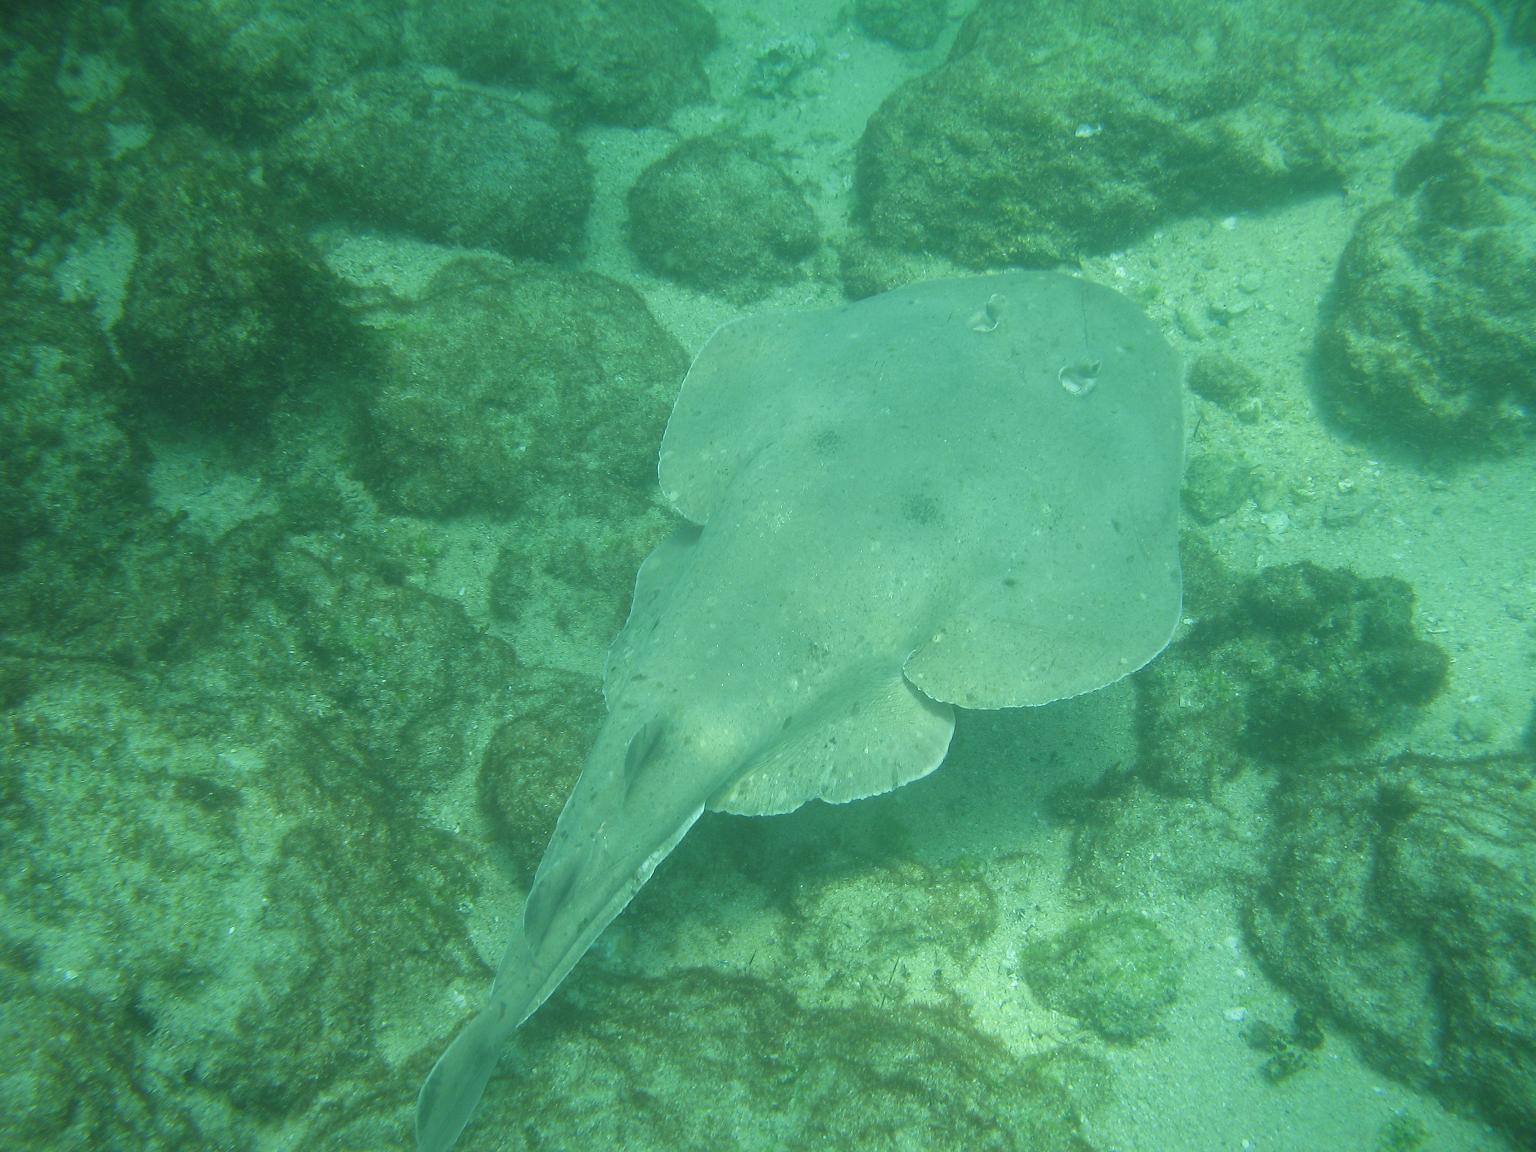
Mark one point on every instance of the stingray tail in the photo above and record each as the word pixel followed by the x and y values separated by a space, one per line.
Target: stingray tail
pixel 583 882
pixel 454 1085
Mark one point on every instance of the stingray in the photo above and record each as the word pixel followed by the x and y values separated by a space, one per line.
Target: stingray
pixel 960 493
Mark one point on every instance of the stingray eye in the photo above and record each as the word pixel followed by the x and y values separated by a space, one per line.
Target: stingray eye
pixel 1080 376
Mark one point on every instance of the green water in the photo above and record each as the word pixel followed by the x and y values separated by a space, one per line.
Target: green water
pixel 337 345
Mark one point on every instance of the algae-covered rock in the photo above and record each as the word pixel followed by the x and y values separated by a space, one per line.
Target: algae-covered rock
pixel 719 213
pixel 1430 339
pixel 1345 658
pixel 566 576
pixel 1519 21
pixel 909 24
pixel 1216 484
pixel 1058 129
pixel 531 761
pixel 69 465
pixel 227 306
pixel 1302 661
pixel 1398 903
pixel 70 1076
pixel 54 145
pixel 223 957
pixel 627 62
pixel 448 163
pixel 1140 843
pixel 88 569
pixel 1226 381
pixel 265 903
pixel 1117 973
pixel 245 66
pixel 506 378
pixel 702 1059
pixel 1286 1051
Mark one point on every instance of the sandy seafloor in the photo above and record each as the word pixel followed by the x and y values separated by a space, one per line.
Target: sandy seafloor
pixel 1249 285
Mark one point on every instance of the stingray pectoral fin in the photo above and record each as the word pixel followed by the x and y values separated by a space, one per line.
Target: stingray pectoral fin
pixel 874 735
pixel 454 1086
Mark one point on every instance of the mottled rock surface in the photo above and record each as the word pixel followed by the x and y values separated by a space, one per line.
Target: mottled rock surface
pixel 254 836
pixel 701 1057
pixel 1430 339
pixel 251 67
pixel 506 379
pixel 1116 972
pixel 1059 129
pixel 719 213
pixel 227 306
pixel 1398 904
pixel 1298 660
pixel 451 164
pixel 616 61
pixel 909 24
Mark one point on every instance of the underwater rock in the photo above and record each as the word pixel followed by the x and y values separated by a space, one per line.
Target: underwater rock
pixel 243 862
pixel 1053 130
pixel 1216 483
pixel 1303 662
pixel 1519 20
pixel 70 466
pixel 570 393
pixel 1430 337
pixel 88 568
pixel 227 306
pixel 1226 382
pixel 566 576
pixel 1136 844
pixel 1398 903
pixel 70 1073
pixel 628 62
pixel 703 1059
pixel 718 213
pixel 868 269
pixel 396 676
pixel 533 759
pixel 909 24
pixel 1117 973
pixel 255 66
pixel 54 143
pixel 455 165
pixel 255 839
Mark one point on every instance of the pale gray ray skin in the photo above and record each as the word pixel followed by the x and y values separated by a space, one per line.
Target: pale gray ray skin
pixel 963 492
